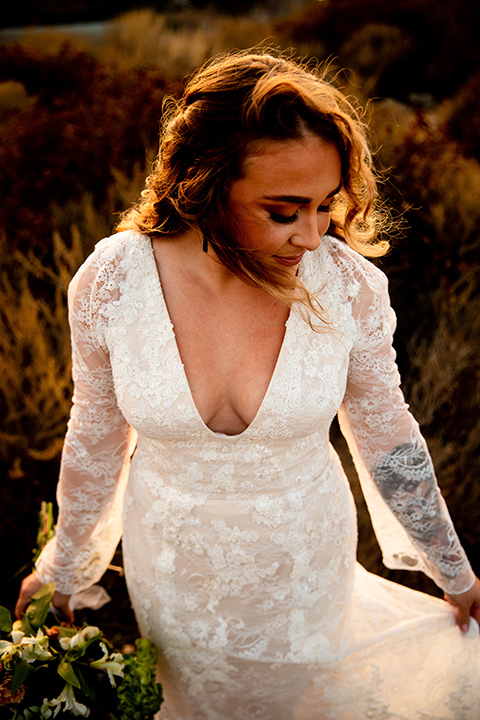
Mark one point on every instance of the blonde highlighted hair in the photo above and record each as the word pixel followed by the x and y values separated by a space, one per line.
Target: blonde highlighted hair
pixel 230 103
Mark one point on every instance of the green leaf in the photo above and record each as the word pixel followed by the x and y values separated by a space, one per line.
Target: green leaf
pixel 26 626
pixel 67 631
pixel 86 688
pixel 66 671
pixel 37 611
pixel 21 671
pixel 139 695
pixel 46 528
pixel 5 620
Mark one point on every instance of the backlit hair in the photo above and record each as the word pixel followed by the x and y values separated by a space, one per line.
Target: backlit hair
pixel 232 102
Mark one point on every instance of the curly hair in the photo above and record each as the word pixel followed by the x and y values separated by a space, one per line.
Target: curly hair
pixel 230 103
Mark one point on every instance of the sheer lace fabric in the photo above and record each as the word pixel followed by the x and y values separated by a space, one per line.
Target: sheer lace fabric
pixel 240 550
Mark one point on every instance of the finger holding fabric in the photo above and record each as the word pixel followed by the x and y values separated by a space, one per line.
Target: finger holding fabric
pixel 467 605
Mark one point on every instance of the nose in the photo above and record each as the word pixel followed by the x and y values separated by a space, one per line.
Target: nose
pixel 308 234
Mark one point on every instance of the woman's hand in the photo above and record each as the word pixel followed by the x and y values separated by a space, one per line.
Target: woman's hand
pixel 466 605
pixel 30 585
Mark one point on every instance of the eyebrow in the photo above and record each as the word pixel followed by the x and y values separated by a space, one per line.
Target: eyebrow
pixel 298 199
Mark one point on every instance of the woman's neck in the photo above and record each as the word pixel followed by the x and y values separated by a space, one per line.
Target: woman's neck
pixel 196 265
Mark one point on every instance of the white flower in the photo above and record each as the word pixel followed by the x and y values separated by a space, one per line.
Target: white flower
pixel 27 647
pixel 80 640
pixel 7 650
pixel 17 636
pixel 113 665
pixel 65 701
pixel 65 642
pixel 34 648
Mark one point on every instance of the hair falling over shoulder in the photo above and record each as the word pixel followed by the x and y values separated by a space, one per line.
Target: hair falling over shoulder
pixel 231 102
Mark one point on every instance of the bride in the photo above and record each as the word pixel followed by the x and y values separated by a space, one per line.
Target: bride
pixel 215 337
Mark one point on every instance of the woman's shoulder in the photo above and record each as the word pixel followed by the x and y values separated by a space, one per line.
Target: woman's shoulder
pixel 119 247
pixel 351 269
pixel 113 255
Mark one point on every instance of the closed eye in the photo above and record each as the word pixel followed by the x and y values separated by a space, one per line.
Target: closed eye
pixel 288 219
pixel 283 219
pixel 324 208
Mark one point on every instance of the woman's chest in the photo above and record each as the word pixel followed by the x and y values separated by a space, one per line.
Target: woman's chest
pixel 276 379
pixel 286 385
pixel 229 353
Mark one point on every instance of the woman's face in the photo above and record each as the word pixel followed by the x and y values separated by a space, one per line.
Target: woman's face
pixel 281 204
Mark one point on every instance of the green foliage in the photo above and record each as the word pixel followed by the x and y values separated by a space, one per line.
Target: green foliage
pixel 140 696
pixel 46 671
pixel 36 614
pixel 5 620
pixel 46 528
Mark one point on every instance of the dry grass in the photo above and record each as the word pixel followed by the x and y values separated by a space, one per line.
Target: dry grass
pixel 176 44
pixel 35 383
pixel 444 388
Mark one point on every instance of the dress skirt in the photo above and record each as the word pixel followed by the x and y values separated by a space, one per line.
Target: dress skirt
pixel 259 610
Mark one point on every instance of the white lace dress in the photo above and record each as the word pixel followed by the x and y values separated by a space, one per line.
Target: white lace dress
pixel 240 550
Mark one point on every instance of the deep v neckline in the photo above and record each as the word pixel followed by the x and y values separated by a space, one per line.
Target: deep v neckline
pixel 181 367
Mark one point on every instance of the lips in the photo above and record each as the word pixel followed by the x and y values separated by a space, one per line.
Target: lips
pixel 289 261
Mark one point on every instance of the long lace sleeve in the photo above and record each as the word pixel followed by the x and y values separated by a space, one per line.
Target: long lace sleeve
pixel 96 452
pixel 408 513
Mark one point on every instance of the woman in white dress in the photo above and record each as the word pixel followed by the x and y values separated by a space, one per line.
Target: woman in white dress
pixel 220 331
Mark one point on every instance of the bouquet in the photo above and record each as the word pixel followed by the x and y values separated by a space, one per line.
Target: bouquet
pixel 57 671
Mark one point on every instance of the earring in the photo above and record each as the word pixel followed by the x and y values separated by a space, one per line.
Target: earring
pixel 205 244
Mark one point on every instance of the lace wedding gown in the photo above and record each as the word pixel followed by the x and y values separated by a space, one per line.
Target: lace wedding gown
pixel 240 550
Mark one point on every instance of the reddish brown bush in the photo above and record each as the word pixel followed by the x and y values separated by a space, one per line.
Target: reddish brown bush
pixel 442 51
pixel 463 122
pixel 87 120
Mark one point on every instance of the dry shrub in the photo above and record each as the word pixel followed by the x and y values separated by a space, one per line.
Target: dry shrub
pixel 87 119
pixel 35 383
pixel 461 117
pixel 13 97
pixel 51 39
pixel 442 47
pixel 91 221
pixel 390 122
pixel 444 385
pixel 434 271
pixel 176 44
pixel 372 49
pixel 439 190
pixel 444 391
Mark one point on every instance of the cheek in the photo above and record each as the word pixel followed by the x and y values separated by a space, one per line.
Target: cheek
pixel 251 231
pixel 275 237
pixel 262 236
pixel 323 223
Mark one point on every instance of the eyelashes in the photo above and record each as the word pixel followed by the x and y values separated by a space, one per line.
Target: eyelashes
pixel 289 219
pixel 283 219
pixel 325 208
